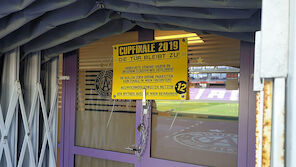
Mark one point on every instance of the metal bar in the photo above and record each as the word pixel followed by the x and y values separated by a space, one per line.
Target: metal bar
pixel 257 85
pixel 27 130
pixel 1 150
pixel 243 104
pixel 102 154
pixel 65 114
pixel 42 152
pixel 137 133
pixel 259 127
pixel 14 127
pixel 3 144
pixel 31 73
pixel 70 68
pixel 2 129
pixel 291 92
pixel 7 155
pixel 147 154
pixel 45 118
pixel 22 154
pixel 72 108
pixel 278 124
pixel 52 102
pixel 10 75
pixel 2 123
pixel 32 113
pixel 143 35
pixel 267 122
pixel 11 108
pixel 53 107
pixel 63 120
pixel 252 111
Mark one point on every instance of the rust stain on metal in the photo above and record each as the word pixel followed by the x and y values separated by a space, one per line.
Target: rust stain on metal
pixel 267 118
pixel 258 137
pixel 283 138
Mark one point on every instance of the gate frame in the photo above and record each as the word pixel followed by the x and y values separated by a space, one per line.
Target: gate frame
pixel 247 114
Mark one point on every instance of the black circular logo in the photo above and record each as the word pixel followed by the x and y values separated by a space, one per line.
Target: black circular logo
pixel 181 87
pixel 104 83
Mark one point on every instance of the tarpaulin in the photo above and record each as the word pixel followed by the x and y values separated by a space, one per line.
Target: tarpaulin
pixel 56 26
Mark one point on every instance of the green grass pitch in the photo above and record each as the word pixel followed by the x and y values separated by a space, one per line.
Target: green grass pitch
pixel 214 108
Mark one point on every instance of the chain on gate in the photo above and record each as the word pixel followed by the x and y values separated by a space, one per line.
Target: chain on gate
pixel 143 128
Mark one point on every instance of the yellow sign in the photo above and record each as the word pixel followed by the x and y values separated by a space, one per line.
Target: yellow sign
pixel 159 67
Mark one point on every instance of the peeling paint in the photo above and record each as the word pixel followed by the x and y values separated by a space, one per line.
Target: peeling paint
pixel 264 125
pixel 283 136
pixel 267 122
pixel 258 131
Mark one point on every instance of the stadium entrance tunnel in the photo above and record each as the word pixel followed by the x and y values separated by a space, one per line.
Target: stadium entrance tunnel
pixel 59 72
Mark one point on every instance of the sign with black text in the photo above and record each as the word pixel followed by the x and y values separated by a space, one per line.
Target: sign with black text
pixel 159 67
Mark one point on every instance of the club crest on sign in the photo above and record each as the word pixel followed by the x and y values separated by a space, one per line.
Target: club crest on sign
pixel 104 83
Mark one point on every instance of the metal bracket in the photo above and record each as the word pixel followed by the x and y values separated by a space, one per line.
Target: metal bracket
pixel 144 103
pixel 133 148
pixel 64 78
